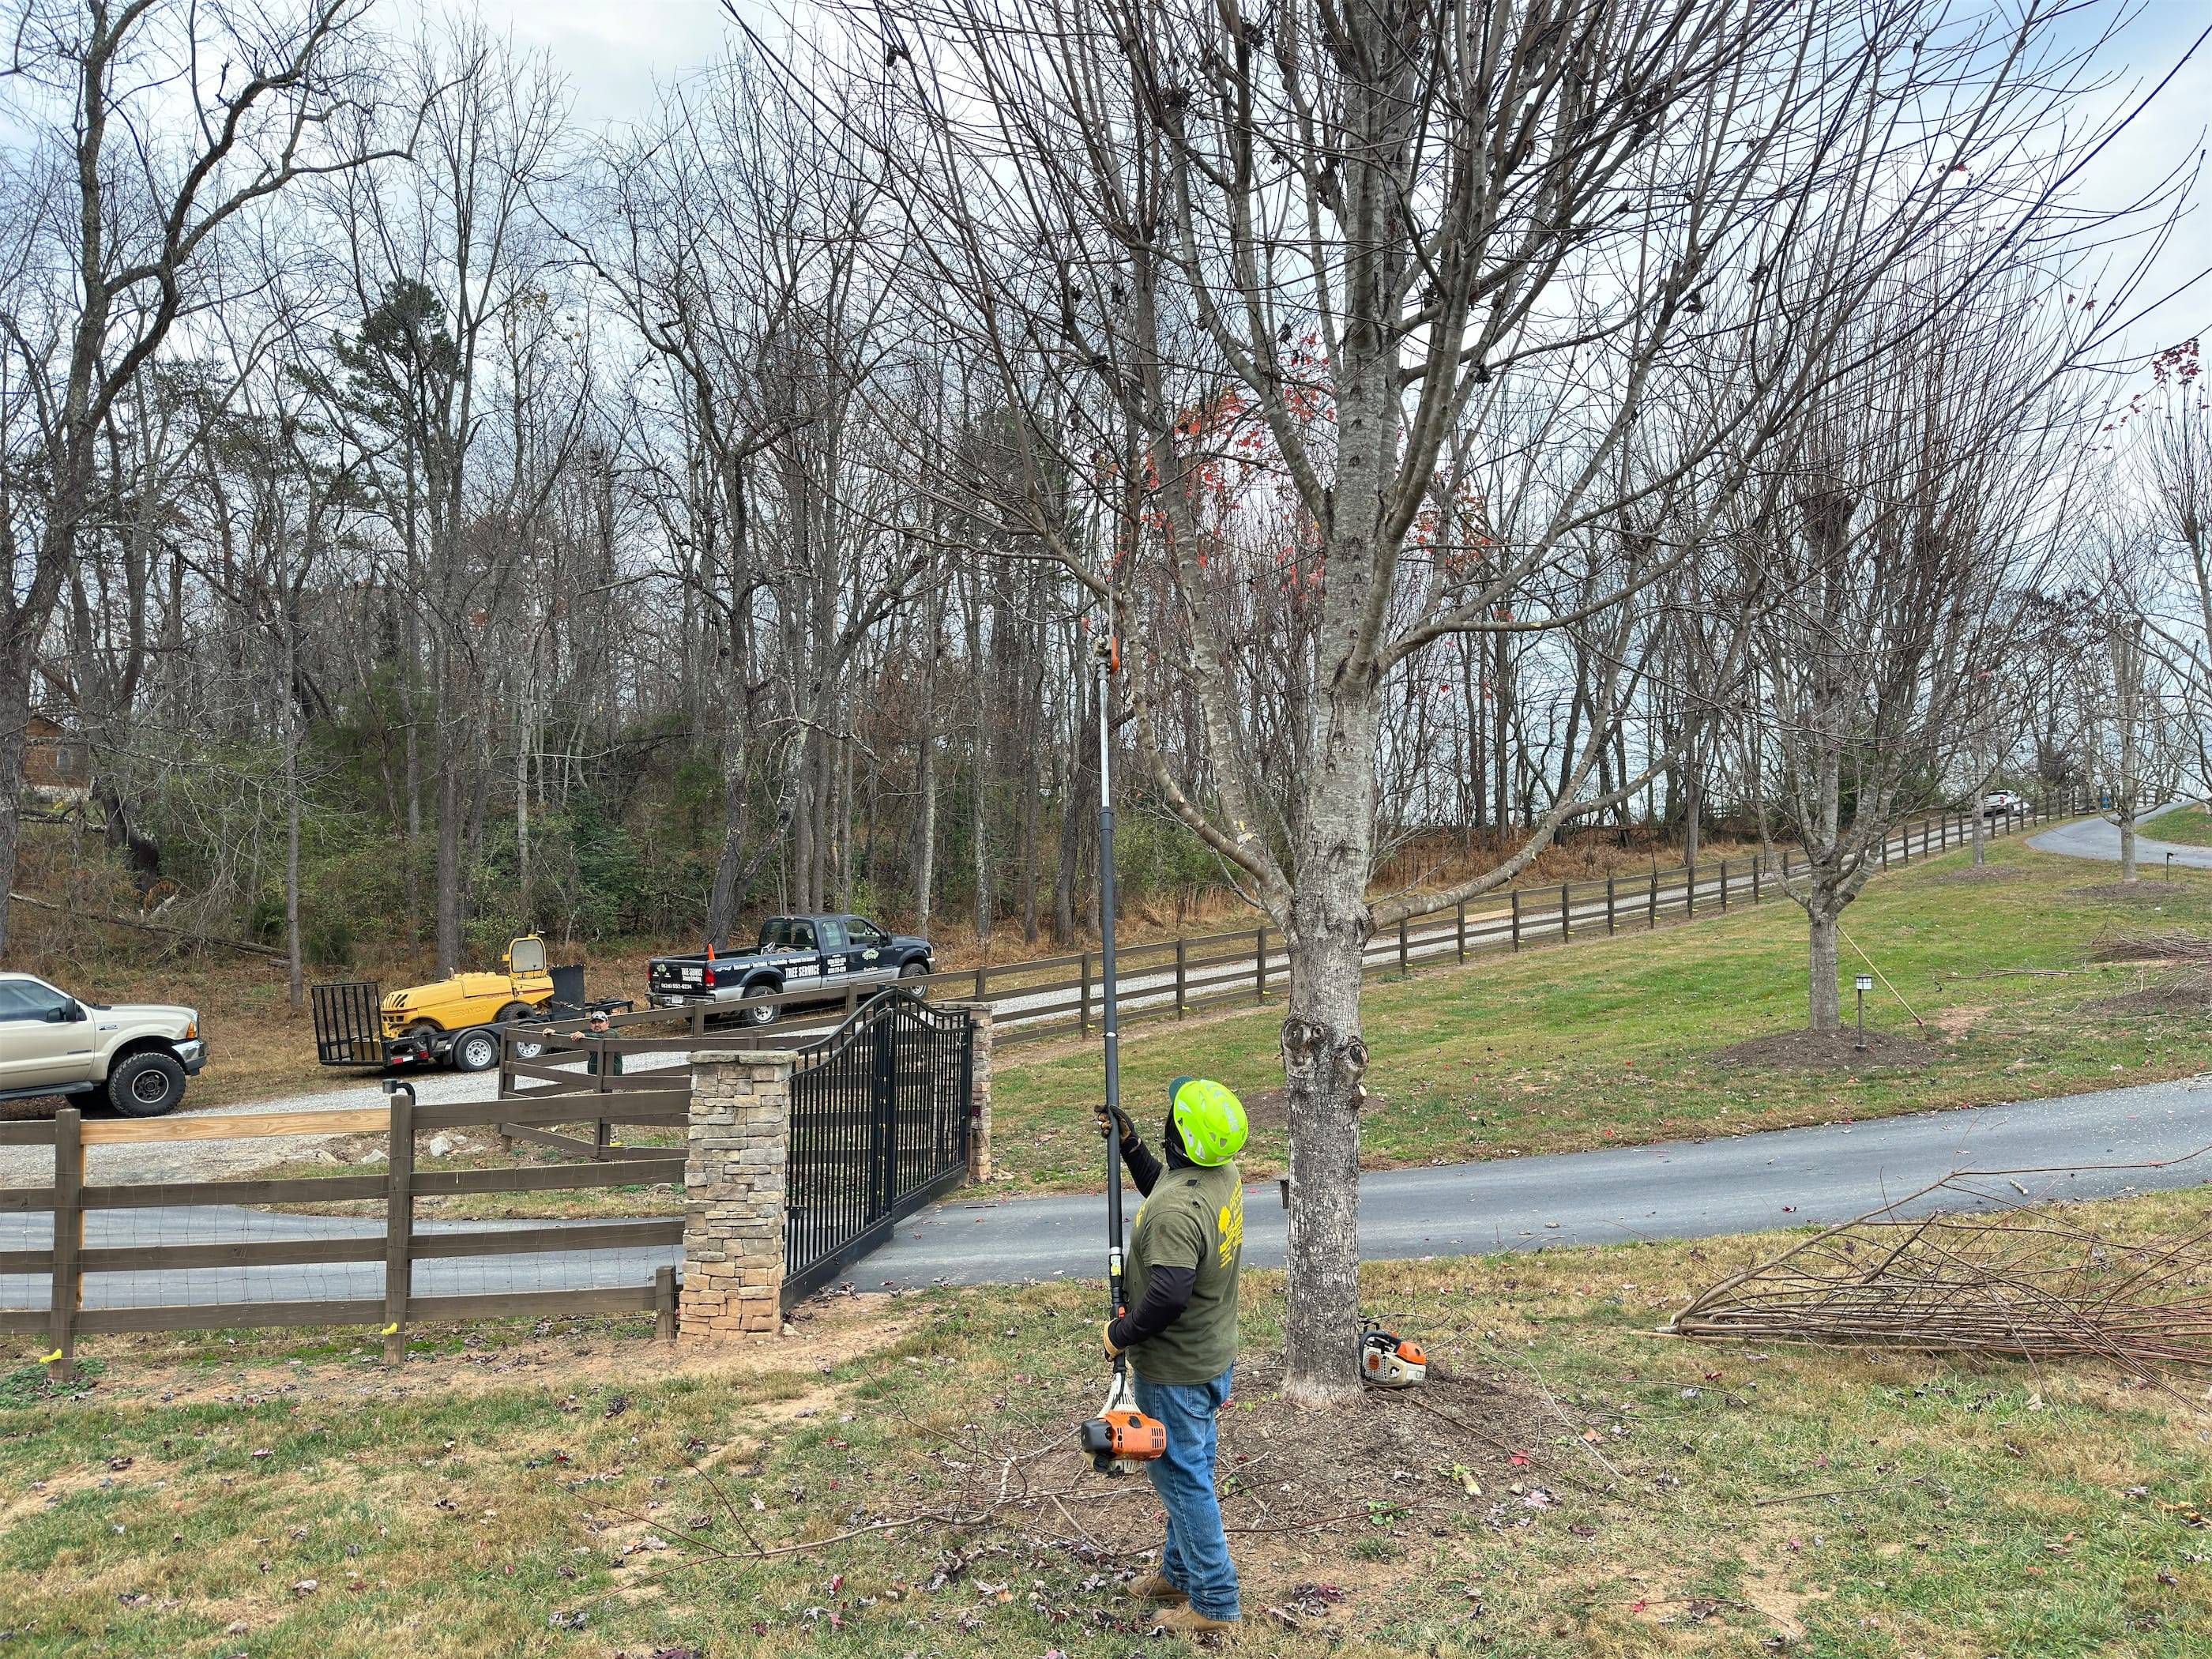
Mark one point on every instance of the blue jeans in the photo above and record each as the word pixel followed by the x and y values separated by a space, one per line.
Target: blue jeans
pixel 1196 1558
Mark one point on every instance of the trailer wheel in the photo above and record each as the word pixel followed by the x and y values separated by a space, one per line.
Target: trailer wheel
pixel 475 1050
pixel 513 1014
pixel 756 1010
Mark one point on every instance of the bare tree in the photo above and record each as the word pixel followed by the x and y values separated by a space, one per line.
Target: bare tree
pixel 162 124
pixel 1282 290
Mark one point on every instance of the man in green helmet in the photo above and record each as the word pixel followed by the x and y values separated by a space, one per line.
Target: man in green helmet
pixel 1185 1252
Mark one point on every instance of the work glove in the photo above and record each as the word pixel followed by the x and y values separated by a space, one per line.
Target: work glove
pixel 1118 1120
pixel 1106 1335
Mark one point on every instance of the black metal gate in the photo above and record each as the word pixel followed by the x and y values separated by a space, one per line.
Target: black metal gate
pixel 879 1124
pixel 348 1024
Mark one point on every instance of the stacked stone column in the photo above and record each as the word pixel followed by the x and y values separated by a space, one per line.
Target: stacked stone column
pixel 733 1183
pixel 979 1118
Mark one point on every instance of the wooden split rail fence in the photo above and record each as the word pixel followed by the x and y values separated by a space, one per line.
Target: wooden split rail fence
pixel 67 1260
pixel 1063 995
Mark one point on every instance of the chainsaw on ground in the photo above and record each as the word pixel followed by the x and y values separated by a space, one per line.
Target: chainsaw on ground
pixel 1120 1439
pixel 1387 1362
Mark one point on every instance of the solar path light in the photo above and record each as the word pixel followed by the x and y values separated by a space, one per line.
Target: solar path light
pixel 1865 984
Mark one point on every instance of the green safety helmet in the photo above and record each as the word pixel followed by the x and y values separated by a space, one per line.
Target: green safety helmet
pixel 1210 1120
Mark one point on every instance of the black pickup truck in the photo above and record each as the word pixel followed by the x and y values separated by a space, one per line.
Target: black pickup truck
pixel 795 955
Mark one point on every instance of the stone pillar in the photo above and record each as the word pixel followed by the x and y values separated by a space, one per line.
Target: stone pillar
pixel 979 1116
pixel 733 1190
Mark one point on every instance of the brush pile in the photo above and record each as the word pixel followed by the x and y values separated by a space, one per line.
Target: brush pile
pixel 2031 1282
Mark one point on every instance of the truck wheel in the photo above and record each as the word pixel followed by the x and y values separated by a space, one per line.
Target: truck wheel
pixel 146 1085
pixel 755 1009
pixel 475 1050
pixel 915 970
pixel 515 1013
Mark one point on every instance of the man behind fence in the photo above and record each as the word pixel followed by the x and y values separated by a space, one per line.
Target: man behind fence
pixel 1185 1252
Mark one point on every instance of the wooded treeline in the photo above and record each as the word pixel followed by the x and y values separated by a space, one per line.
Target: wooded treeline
pixel 1468 419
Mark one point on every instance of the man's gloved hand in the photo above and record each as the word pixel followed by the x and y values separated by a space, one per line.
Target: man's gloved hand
pixel 1119 1121
pixel 1107 1337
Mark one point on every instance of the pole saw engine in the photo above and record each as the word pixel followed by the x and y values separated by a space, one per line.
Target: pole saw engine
pixel 1385 1362
pixel 1120 1439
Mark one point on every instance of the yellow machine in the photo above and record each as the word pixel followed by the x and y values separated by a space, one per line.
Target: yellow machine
pixel 433 1015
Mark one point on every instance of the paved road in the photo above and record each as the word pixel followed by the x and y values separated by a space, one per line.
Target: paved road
pixel 1676 1190
pixel 2100 838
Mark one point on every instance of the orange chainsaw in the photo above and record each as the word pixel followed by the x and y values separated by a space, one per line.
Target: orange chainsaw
pixel 1387 1362
pixel 1120 1439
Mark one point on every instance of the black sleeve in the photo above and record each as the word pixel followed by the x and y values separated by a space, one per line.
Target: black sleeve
pixel 1144 1168
pixel 1167 1294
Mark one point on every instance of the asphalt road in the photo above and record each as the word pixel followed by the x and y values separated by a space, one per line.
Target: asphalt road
pixel 1677 1189
pixel 2100 838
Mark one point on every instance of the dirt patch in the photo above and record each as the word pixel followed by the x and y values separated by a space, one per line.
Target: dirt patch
pixel 1806 1050
pixel 2145 891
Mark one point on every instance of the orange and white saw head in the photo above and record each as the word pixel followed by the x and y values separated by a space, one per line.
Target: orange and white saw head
pixel 1387 1361
pixel 1121 1439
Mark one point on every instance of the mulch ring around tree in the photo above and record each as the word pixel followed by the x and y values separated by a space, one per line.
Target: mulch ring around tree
pixel 1977 875
pixel 2185 992
pixel 2145 891
pixel 1805 1050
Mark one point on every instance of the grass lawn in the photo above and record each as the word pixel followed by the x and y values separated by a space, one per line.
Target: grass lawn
pixel 2190 823
pixel 1594 1491
pixel 1613 1040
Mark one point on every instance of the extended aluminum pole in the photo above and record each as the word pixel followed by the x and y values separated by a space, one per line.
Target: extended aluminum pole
pixel 1105 654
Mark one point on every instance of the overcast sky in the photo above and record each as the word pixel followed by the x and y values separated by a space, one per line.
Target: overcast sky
pixel 614 51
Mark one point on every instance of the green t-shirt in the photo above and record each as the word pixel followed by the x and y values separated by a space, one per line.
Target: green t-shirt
pixel 1193 1217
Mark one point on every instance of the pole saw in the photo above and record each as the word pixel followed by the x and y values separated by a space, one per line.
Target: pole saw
pixel 1120 1439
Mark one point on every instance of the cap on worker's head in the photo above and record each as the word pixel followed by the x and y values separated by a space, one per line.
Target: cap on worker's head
pixel 1210 1120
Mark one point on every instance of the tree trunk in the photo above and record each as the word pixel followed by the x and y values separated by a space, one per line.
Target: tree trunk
pixel 2127 843
pixel 1324 1058
pixel 1824 1012
pixel 15 716
pixel 1981 851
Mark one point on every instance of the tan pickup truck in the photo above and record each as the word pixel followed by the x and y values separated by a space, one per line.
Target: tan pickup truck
pixel 137 1054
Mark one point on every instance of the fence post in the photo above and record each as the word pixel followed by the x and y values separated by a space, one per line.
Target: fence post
pixel 737 1157
pixel 1609 927
pixel 68 1237
pixel 398 1223
pixel 1182 974
pixel 1566 913
pixel 980 972
pixel 1723 886
pixel 1757 863
pixel 1260 963
pixel 1654 922
pixel 1689 890
pixel 664 1303
pixel 1516 918
pixel 1084 1017
pixel 1460 928
pixel 1405 965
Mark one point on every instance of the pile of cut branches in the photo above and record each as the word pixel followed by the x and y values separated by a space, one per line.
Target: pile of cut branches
pixel 2168 945
pixel 1923 1272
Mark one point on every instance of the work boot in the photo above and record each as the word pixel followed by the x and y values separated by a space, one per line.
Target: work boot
pixel 1187 1621
pixel 1155 1587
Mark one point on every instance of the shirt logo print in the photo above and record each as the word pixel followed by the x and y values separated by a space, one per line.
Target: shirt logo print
pixel 1231 1223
